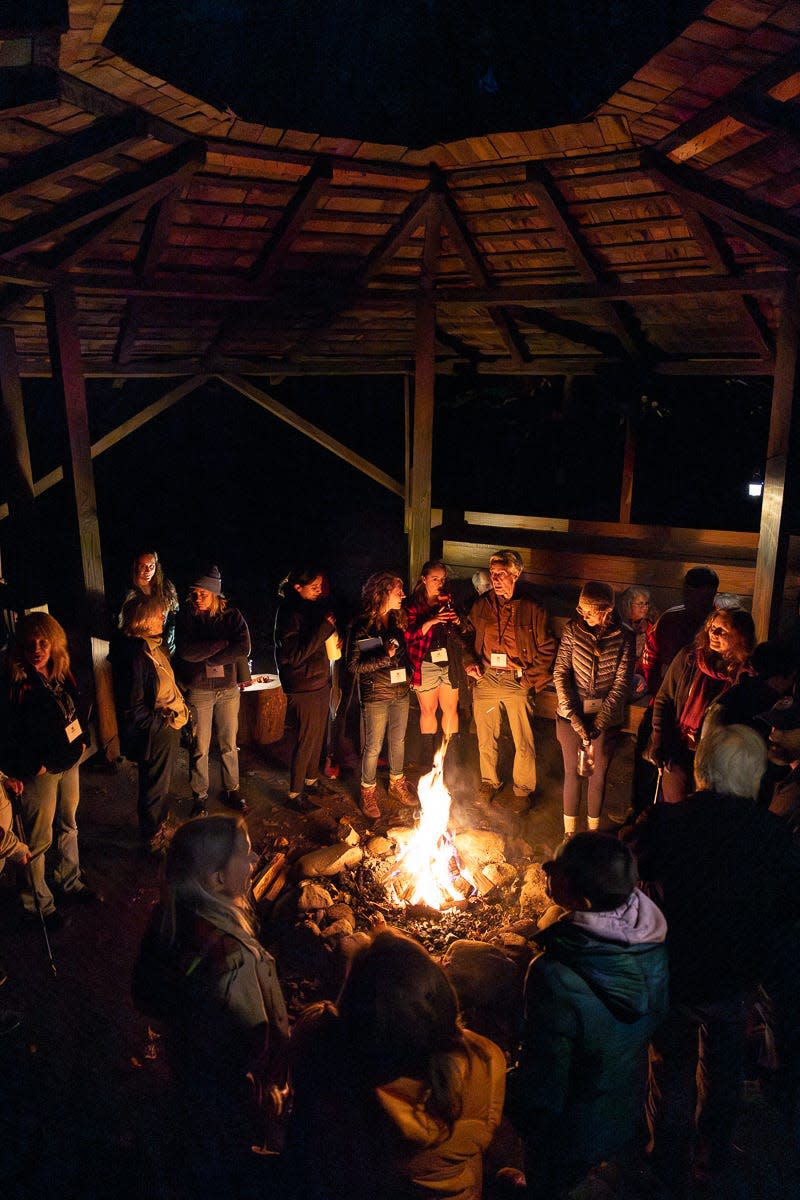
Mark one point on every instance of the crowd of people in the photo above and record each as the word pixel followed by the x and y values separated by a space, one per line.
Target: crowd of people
pixel 633 1031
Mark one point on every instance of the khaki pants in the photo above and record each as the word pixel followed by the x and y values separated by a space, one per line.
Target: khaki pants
pixel 495 691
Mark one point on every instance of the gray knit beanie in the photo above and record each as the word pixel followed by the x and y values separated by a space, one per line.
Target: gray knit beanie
pixel 209 580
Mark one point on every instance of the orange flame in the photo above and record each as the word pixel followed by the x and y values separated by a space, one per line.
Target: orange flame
pixel 425 866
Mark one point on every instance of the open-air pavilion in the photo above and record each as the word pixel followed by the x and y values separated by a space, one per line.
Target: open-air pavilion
pixel 145 233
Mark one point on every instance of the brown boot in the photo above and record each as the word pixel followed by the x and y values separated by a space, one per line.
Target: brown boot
pixel 402 791
pixel 369 801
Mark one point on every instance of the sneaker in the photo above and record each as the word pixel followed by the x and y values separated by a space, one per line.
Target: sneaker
pixel 199 804
pixel 318 789
pixel 369 802
pixel 402 791
pixel 300 803
pixel 234 800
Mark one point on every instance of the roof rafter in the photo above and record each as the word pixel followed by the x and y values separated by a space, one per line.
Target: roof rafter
pixel 552 205
pixel 515 342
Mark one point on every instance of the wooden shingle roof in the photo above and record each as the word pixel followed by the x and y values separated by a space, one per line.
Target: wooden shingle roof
pixel 661 230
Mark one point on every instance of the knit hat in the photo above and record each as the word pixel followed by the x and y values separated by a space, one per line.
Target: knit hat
pixel 597 595
pixel 209 580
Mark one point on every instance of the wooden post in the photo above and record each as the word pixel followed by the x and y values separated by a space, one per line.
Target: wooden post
pixel 23 573
pixel 419 540
pixel 774 534
pixel 628 464
pixel 65 355
pixel 407 453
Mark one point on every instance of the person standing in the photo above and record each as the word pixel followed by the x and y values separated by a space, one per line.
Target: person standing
pixel 377 658
pixel 211 637
pixel 593 671
pixel 150 709
pixel 304 628
pixel 46 739
pixel 148 579
pixel 513 657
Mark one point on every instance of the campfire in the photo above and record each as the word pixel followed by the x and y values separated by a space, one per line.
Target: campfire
pixel 427 869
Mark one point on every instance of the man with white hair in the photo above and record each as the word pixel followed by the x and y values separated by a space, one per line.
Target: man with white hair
pixel 728 879
pixel 513 658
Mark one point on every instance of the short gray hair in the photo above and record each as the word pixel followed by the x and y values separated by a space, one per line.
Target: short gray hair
pixel 509 559
pixel 730 760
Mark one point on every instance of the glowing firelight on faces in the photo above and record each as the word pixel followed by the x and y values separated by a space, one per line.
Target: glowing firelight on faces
pixel 426 862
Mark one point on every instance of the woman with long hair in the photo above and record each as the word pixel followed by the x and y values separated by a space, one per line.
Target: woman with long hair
pixel 151 710
pixel 391 1069
pixel 304 629
pixel 699 675
pixel 592 675
pixel 212 641
pixel 434 654
pixel 147 578
pixel 203 974
pixel 378 660
pixel 45 741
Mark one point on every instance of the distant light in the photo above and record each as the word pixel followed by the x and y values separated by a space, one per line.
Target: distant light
pixel 756 485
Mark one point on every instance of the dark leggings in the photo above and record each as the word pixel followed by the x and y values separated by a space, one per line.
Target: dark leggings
pixel 309 713
pixel 602 748
pixel 155 779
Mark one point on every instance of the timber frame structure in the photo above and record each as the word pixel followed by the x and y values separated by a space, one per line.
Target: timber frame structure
pixel 144 233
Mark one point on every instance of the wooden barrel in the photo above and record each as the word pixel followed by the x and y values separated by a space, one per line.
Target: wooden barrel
pixel 262 712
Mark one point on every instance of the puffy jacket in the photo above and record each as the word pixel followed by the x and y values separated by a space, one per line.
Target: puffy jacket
pixel 210 641
pixel 536 643
pixel 594 664
pixel 372 669
pixel 591 1005
pixel 301 629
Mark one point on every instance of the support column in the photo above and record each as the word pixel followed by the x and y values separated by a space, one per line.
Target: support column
pixel 22 558
pixel 65 355
pixel 419 540
pixel 775 506
pixel 628 467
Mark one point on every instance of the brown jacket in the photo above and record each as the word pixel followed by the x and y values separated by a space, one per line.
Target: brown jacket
pixel 536 643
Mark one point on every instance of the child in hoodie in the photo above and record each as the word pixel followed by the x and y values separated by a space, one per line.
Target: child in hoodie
pixel 593 996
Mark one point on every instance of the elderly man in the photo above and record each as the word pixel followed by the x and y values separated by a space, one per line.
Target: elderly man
pixel 513 657
pixel 728 879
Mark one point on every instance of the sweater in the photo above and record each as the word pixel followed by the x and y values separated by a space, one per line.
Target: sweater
pixel 207 648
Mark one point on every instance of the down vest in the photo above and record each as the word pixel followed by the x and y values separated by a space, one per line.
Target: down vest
pixel 594 664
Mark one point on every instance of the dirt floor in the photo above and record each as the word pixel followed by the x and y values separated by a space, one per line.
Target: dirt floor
pixel 83 1082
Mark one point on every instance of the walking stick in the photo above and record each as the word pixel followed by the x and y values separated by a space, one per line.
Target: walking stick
pixel 658 785
pixel 19 829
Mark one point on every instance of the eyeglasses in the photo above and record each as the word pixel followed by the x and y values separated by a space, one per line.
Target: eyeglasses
pixel 719 631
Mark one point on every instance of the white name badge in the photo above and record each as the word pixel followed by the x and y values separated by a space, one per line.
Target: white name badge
pixel 73 730
pixel 592 706
pixel 439 655
pixel 398 675
pixel 499 660
pixel 214 671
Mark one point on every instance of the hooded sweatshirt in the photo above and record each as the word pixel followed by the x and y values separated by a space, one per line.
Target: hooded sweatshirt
pixel 593 997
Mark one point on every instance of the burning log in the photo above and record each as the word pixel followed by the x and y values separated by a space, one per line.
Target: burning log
pixel 264 879
pixel 329 860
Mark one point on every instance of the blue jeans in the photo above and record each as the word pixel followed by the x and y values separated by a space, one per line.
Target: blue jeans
pixel 377 719
pixel 220 707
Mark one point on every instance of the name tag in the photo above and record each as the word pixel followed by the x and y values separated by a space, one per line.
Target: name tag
pixel 398 675
pixel 73 730
pixel 499 660
pixel 592 706
pixel 215 672
pixel 439 655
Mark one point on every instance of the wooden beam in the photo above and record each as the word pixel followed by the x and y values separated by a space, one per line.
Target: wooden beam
pixel 543 295
pixel 573 331
pixel 24 554
pixel 299 209
pixel 514 341
pixel 419 538
pixel 760 325
pixel 462 240
pixel 628 468
pixel 65 354
pixel 265 401
pixel 119 192
pixel 774 530
pixel 116 435
pixel 95 142
pixel 552 205
pixel 407 452
pixel 719 257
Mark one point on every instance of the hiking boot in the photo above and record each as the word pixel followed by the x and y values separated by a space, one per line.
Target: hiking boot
pixel 80 892
pixel 487 791
pixel 369 801
pixel 234 800
pixel 199 805
pixel 402 791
